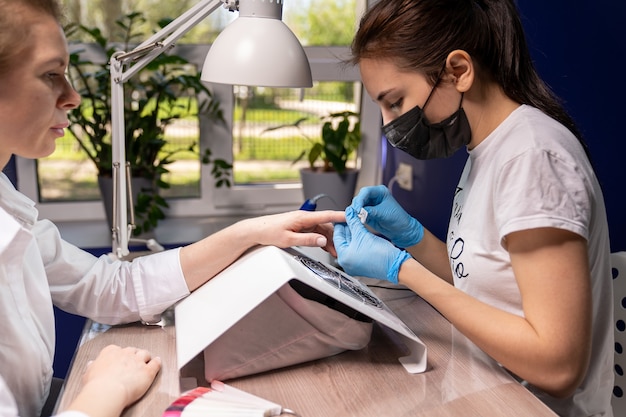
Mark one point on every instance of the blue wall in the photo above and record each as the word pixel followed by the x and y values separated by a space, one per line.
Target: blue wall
pixel 579 49
pixel 10 171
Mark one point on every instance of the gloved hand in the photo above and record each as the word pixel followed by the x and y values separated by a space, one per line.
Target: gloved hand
pixel 362 253
pixel 387 217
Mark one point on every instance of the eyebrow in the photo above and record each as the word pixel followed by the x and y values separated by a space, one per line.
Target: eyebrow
pixel 56 60
pixel 382 95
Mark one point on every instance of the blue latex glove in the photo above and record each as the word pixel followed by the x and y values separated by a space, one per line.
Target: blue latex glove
pixel 387 217
pixel 362 253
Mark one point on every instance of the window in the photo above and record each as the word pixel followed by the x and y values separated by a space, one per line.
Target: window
pixel 264 180
pixel 327 68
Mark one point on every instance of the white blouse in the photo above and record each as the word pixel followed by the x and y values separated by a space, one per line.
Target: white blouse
pixel 38 269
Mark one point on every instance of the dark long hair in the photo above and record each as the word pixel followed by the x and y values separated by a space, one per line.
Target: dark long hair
pixel 418 35
pixel 14 25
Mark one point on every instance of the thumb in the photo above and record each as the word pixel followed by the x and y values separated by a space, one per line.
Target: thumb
pixel 341 235
pixel 353 220
pixel 154 365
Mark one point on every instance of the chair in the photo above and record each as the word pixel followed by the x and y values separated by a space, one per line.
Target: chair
pixel 618 267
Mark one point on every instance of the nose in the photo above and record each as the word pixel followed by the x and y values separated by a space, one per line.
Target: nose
pixel 387 116
pixel 70 99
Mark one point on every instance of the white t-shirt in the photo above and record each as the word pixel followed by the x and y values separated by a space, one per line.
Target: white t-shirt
pixel 39 269
pixel 532 172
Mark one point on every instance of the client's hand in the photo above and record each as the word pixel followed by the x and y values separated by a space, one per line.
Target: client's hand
pixel 297 228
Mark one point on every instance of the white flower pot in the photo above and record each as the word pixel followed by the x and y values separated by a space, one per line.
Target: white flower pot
pixel 337 190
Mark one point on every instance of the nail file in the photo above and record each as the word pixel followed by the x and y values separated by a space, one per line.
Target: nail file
pixel 362 215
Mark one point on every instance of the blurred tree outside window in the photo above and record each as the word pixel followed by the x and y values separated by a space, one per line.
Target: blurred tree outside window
pixel 67 175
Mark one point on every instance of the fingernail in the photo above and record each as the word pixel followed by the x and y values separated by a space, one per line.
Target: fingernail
pixel 217 385
pixel 321 241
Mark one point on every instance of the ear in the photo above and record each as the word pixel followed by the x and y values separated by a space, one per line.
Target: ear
pixel 460 70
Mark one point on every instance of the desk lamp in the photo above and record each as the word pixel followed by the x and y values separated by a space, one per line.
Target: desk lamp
pixel 256 49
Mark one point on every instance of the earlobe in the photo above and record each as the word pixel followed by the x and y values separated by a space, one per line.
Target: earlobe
pixel 460 69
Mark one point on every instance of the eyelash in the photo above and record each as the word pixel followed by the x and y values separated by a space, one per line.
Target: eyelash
pixel 395 106
pixel 52 76
pixel 56 78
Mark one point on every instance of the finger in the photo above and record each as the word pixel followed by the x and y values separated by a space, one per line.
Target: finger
pixel 143 355
pixel 330 245
pixel 111 348
pixel 330 248
pixel 340 238
pixel 327 231
pixel 129 349
pixel 376 195
pixel 366 196
pixel 374 214
pixel 353 220
pixel 358 201
pixel 324 216
pixel 154 365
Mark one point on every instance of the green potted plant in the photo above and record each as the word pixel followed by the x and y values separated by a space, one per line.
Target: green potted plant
pixel 329 174
pixel 161 93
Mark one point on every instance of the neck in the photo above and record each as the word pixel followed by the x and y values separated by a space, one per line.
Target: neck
pixel 486 108
pixel 4 160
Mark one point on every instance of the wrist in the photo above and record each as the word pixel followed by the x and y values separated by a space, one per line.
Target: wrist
pixel 247 232
pixel 90 400
pixel 394 270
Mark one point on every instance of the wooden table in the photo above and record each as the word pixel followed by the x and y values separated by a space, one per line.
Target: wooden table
pixel 460 380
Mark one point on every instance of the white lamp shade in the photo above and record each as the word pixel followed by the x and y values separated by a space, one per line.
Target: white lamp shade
pixel 257 51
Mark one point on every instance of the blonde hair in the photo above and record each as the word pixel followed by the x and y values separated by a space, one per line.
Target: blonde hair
pixel 15 16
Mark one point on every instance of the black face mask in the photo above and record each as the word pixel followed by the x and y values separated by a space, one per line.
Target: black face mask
pixel 413 134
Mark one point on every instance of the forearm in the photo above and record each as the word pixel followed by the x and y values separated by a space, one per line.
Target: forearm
pixel 527 350
pixel 204 259
pixel 432 254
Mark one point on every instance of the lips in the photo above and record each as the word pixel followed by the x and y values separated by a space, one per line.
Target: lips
pixel 58 132
pixel 61 125
pixel 59 129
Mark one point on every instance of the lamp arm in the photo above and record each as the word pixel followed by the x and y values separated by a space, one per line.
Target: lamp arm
pixel 141 56
pixel 186 20
pixel 167 36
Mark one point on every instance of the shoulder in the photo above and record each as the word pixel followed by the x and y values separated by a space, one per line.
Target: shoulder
pixel 529 129
pixel 12 234
pixel 17 204
pixel 541 176
pixel 530 137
